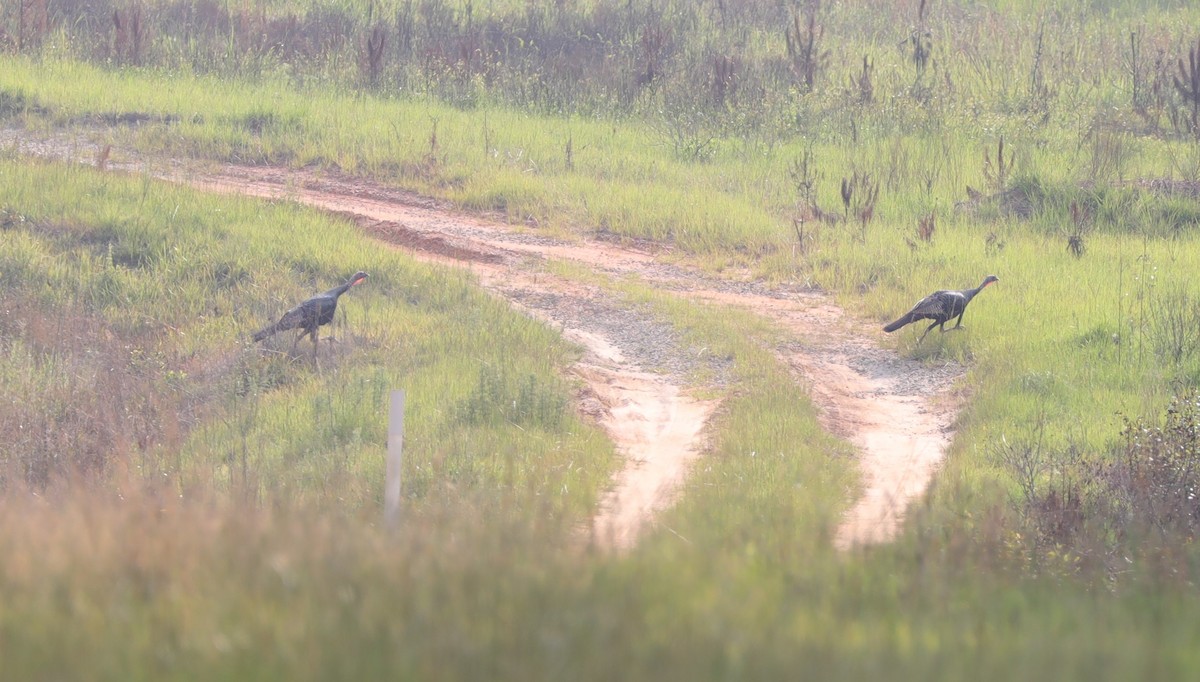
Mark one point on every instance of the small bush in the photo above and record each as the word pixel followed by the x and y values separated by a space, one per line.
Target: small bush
pixel 1143 497
pixel 1173 325
pixel 499 398
pixel 1155 482
pixel 12 102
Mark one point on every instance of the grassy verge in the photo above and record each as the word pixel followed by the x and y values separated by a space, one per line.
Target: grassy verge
pixel 130 287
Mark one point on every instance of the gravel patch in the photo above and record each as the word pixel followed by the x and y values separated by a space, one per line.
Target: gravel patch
pixel 643 340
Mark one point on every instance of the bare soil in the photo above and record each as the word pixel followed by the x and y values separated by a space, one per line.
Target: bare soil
pixel 897 412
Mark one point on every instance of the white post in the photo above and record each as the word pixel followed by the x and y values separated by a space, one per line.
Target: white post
pixel 391 488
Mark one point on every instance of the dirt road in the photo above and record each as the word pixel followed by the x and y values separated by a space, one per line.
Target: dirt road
pixel 897 412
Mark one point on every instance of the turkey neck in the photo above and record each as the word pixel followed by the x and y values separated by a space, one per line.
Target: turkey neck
pixel 970 293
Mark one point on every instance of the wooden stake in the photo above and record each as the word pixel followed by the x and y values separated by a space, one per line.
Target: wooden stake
pixel 391 489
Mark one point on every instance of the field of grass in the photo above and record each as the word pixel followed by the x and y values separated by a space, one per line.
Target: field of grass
pixel 193 570
pixel 148 293
pixel 1058 539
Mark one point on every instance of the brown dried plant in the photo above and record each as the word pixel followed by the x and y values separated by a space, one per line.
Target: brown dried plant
pixel 653 46
pixel 1187 84
pixel 998 172
pixel 1081 225
pixel 374 53
pixel 1150 82
pixel 805 176
pixel 926 226
pixel 866 90
pixel 128 36
pixel 724 83
pixel 102 157
pixel 804 54
pixel 921 42
pixel 859 193
pixel 804 235
pixel 33 23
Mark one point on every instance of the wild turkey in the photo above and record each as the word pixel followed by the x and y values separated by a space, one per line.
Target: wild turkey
pixel 941 307
pixel 311 314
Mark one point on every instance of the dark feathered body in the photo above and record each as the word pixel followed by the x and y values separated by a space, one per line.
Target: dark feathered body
pixel 941 307
pixel 311 314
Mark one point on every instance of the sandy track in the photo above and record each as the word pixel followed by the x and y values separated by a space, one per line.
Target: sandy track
pixel 897 412
pixel 648 416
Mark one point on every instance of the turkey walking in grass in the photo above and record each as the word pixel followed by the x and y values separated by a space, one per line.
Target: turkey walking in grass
pixel 311 314
pixel 941 307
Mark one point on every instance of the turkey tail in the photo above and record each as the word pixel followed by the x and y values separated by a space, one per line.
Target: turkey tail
pixel 263 333
pixel 899 323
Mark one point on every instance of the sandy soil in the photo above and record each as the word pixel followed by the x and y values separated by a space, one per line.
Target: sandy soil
pixel 897 412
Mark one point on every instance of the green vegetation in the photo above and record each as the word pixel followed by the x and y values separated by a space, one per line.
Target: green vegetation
pixel 878 152
pixel 125 287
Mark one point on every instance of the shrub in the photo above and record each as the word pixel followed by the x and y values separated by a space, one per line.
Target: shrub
pixel 1155 482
